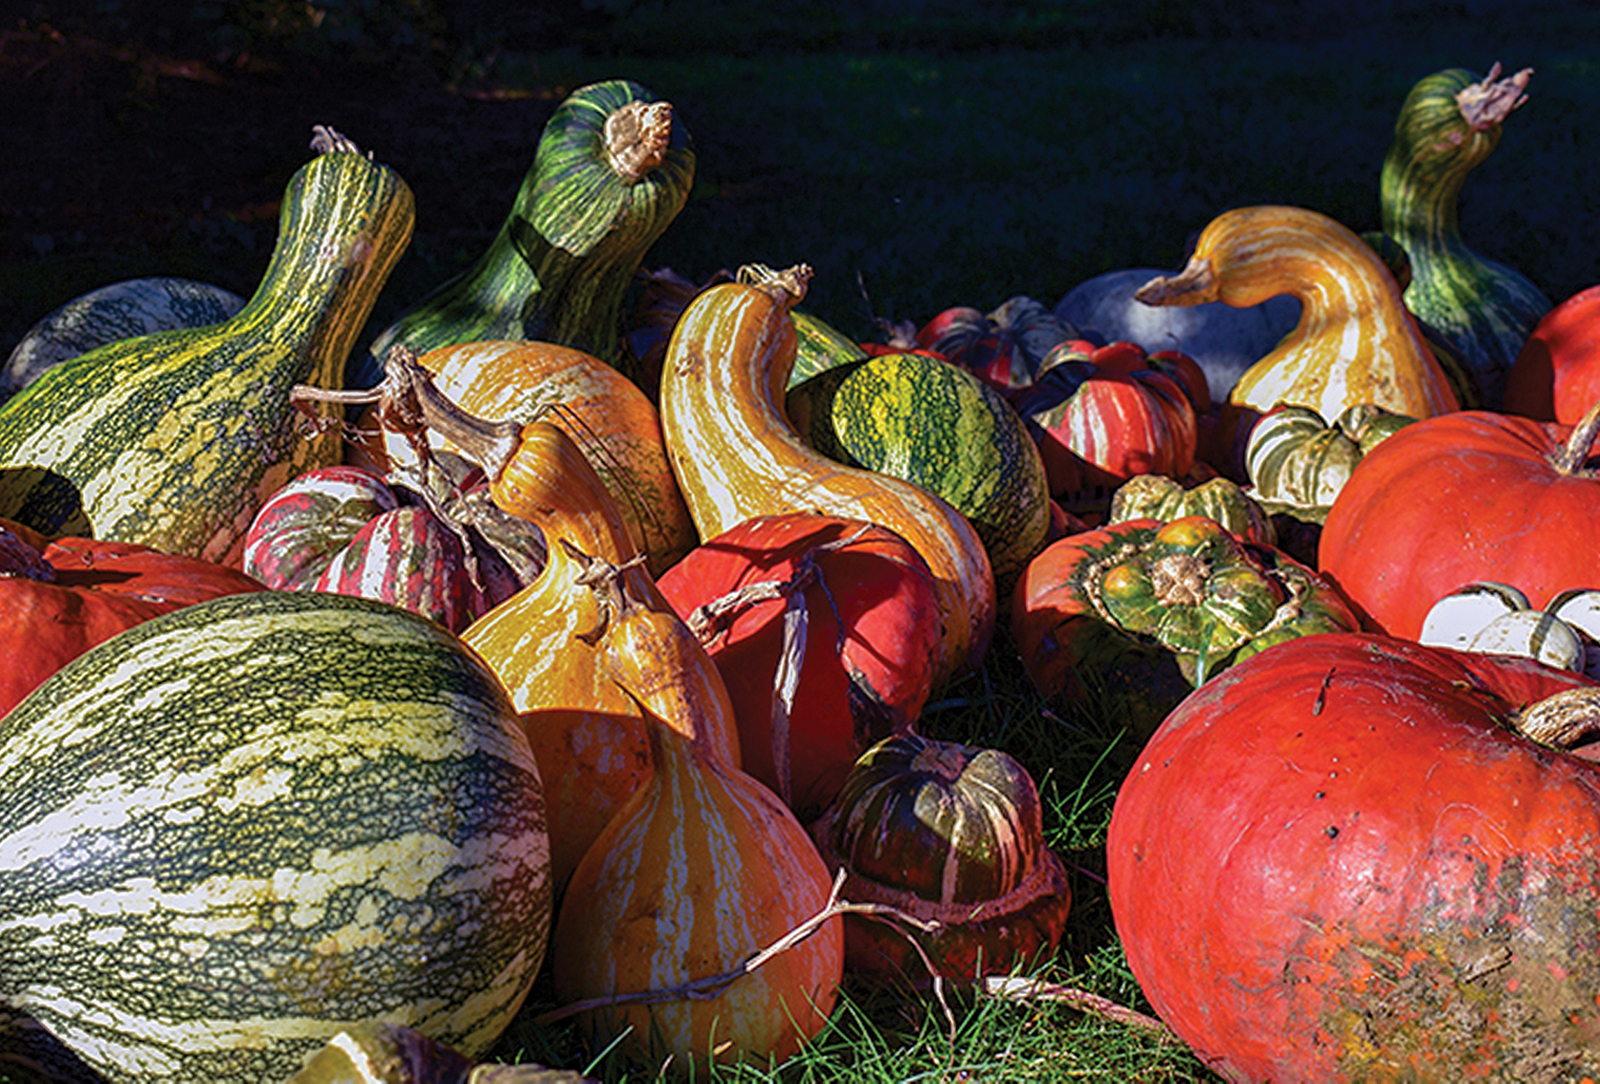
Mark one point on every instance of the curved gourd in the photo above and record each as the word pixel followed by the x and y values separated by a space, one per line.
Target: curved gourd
pixel 173 440
pixel 1449 124
pixel 1355 342
pixel 737 456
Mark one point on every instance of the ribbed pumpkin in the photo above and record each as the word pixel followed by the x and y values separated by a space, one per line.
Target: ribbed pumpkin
pixel 1449 123
pixel 63 597
pixel 1003 348
pixel 1355 342
pixel 702 868
pixel 736 455
pixel 450 555
pixel 612 420
pixel 173 440
pixel 1139 613
pixel 121 310
pixel 1298 462
pixel 612 170
pixel 1156 496
pixel 945 833
pixel 826 633
pixel 239 827
pixel 938 426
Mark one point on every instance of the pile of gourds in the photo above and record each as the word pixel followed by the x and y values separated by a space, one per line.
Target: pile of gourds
pixel 585 622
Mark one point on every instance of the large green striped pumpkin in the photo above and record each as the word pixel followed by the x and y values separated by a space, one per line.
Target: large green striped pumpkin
pixel 174 439
pixel 1449 123
pixel 938 426
pixel 560 267
pixel 239 827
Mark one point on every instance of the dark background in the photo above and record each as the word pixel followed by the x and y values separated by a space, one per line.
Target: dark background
pixel 154 137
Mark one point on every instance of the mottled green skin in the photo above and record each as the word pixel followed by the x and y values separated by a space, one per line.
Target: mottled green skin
pixel 938 426
pixel 174 439
pixel 1484 309
pixel 560 266
pixel 235 829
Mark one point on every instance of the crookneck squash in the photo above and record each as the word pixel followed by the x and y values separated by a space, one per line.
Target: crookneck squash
pixel 173 440
pixel 1355 342
pixel 701 869
pixel 1450 122
pixel 242 826
pixel 736 455
pixel 612 170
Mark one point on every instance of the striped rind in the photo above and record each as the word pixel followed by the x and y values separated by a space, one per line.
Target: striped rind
pixel 1296 458
pixel 737 456
pixel 1485 309
pixel 174 439
pixel 943 429
pixel 238 827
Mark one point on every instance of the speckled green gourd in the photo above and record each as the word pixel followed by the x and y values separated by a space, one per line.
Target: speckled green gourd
pixel 174 439
pixel 1449 123
pixel 612 170
pixel 238 828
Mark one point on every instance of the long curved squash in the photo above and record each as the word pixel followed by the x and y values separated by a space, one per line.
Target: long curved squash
pixel 173 440
pixel 1355 342
pixel 737 456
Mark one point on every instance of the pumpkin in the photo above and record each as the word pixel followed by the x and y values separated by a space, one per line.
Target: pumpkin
pixel 1556 374
pixel 1298 462
pixel 1454 499
pixel 1003 348
pixel 1224 340
pixel 1496 618
pixel 613 421
pixel 1337 861
pixel 1155 496
pixel 1098 426
pixel 826 632
pixel 121 310
pixel 612 169
pixel 1137 614
pixel 702 868
pixel 449 555
pixel 242 826
pixel 61 598
pixel 936 425
pixel 1449 123
pixel 736 455
pixel 1355 342
pixel 949 834
pixel 174 440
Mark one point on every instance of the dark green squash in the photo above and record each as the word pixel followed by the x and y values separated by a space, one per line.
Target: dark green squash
pixel 612 170
pixel 238 828
pixel 174 439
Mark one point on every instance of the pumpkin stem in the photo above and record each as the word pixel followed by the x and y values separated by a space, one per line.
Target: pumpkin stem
pixel 636 138
pixel 1485 104
pixel 1563 720
pixel 325 140
pixel 1576 450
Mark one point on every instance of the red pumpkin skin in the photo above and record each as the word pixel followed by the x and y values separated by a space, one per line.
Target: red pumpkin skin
pixel 856 686
pixel 1556 374
pixel 100 589
pixel 1334 862
pixel 1455 498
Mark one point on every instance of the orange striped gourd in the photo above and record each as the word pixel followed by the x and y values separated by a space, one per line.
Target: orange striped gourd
pixel 1355 342
pixel 736 454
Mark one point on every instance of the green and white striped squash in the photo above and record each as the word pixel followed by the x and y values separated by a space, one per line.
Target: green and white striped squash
pixel 613 168
pixel 940 427
pixel 1158 497
pixel 1449 123
pixel 173 440
pixel 240 827
pixel 1298 463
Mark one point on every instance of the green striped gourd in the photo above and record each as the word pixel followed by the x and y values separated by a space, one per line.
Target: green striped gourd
pixel 1449 123
pixel 820 347
pixel 238 828
pixel 1158 497
pixel 940 427
pixel 612 170
pixel 174 439
pixel 1298 463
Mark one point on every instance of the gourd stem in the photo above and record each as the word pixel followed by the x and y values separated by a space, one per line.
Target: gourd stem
pixel 1485 104
pixel 1563 720
pixel 789 285
pixel 637 136
pixel 1573 453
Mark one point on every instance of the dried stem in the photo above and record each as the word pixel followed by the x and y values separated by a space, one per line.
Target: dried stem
pixel 1011 988
pixel 1485 104
pixel 637 137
